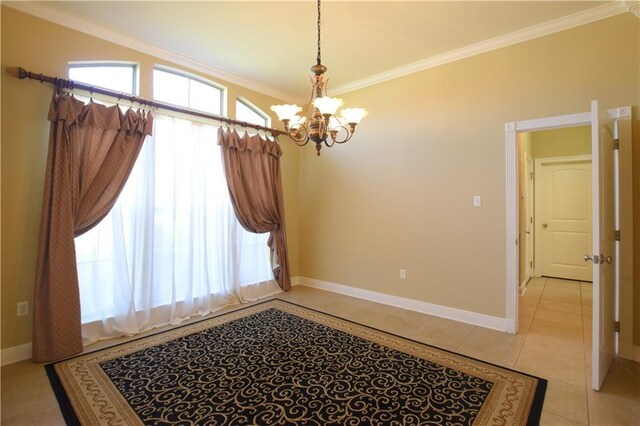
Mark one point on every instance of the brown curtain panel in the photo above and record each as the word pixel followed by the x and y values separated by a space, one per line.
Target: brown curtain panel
pixel 252 168
pixel 92 149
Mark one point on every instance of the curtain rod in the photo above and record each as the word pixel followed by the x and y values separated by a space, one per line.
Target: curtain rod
pixel 64 83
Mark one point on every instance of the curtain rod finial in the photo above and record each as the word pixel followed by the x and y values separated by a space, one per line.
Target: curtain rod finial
pixel 18 72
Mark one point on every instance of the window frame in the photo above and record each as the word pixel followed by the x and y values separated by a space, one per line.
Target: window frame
pixel 199 79
pixel 135 69
pixel 253 107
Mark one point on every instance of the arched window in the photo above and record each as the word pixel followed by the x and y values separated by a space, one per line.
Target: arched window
pixel 249 113
pixel 119 76
pixel 189 91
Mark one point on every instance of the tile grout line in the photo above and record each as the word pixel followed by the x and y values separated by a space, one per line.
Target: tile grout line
pixel 535 311
pixel 585 354
pixel 525 342
pixel 586 387
pixel 457 349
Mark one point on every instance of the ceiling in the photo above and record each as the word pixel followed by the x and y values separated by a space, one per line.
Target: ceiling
pixel 270 46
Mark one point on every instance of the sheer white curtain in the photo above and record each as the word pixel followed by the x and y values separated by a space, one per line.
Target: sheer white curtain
pixel 172 246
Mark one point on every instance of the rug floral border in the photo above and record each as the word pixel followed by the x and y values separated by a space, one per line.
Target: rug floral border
pixel 83 388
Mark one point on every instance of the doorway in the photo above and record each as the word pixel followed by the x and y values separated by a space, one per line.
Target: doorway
pixel 604 124
pixel 555 203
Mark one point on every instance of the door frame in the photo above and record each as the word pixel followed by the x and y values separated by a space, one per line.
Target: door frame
pixel 529 206
pixel 624 282
pixel 538 162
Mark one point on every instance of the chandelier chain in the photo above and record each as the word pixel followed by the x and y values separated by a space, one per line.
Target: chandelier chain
pixel 318 58
pixel 319 122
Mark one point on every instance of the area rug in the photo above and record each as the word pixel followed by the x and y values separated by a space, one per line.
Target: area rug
pixel 280 363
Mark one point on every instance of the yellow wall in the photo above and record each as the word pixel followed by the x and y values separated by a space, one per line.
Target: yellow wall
pixel 561 142
pixel 41 46
pixel 399 195
pixel 524 151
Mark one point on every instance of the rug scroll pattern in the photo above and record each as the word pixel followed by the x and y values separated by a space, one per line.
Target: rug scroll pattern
pixel 278 363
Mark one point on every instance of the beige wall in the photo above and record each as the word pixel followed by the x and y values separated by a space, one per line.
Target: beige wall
pixel 399 195
pixel 40 46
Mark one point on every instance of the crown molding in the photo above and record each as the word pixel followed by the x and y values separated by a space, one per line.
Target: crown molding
pixel 633 6
pixel 550 27
pixel 42 11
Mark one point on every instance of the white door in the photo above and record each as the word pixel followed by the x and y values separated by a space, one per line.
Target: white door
pixel 563 219
pixel 602 138
pixel 528 216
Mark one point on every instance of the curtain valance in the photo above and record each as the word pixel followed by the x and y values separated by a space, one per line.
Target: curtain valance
pixel 251 143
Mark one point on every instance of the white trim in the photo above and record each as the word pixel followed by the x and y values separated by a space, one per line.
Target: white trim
pixel 512 270
pixel 583 158
pixel 41 10
pixel 460 315
pixel 634 7
pixel 15 354
pixel 569 120
pixel 556 25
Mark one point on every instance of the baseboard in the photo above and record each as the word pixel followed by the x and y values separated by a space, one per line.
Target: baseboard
pixel 15 354
pixel 23 352
pixel 460 315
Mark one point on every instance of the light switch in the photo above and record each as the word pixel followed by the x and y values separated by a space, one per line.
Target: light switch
pixel 477 201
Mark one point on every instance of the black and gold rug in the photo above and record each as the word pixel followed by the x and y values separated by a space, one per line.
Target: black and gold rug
pixel 280 363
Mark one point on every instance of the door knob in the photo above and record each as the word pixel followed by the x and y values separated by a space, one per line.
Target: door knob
pixel 605 259
pixel 544 225
pixel 595 258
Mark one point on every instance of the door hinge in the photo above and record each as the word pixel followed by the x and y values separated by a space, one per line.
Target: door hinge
pixel 616 144
pixel 617 235
pixel 616 326
pixel 531 264
pixel 531 175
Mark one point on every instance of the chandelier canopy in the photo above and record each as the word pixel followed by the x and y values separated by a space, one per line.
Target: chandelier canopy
pixel 319 121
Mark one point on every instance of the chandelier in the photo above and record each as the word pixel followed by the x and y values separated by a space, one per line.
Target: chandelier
pixel 319 121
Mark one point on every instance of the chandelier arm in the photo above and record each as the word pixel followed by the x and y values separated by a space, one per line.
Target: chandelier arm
pixel 300 135
pixel 301 143
pixel 310 104
pixel 335 132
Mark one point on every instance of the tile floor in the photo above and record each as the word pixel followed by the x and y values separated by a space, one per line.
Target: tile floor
pixel 554 342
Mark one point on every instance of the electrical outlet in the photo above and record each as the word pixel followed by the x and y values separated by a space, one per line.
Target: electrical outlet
pixel 23 308
pixel 477 201
pixel 403 274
